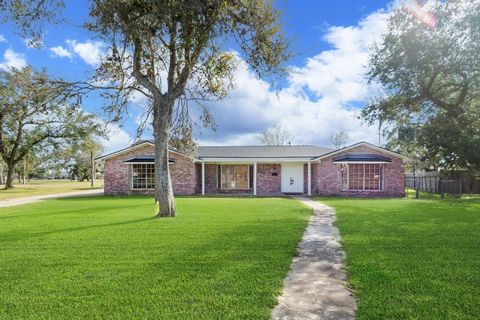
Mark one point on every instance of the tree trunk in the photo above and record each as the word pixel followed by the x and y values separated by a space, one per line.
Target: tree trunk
pixel 163 183
pixel 10 172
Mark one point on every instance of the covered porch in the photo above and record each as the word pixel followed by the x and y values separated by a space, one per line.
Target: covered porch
pixel 255 176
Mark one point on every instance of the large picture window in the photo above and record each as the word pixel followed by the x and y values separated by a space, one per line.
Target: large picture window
pixel 235 176
pixel 143 176
pixel 362 176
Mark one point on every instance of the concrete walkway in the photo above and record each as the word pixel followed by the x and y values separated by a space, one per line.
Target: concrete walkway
pixel 315 287
pixel 25 200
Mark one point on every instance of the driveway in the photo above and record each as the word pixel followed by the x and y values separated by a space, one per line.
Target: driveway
pixel 25 200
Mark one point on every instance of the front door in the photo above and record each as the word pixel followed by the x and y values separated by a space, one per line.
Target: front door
pixel 292 178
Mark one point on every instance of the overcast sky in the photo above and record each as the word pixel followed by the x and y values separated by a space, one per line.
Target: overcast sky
pixel 324 92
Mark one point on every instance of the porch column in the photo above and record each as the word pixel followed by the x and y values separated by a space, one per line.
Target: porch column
pixel 309 178
pixel 203 178
pixel 254 178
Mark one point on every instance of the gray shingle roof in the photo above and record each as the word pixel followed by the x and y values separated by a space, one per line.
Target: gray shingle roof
pixel 302 151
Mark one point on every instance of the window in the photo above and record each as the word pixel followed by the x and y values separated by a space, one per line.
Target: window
pixel 235 176
pixel 362 176
pixel 143 176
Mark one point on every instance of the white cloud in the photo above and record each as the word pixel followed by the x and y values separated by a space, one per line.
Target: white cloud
pixel 90 51
pixel 117 138
pixel 2 38
pixel 12 59
pixel 320 97
pixel 60 52
pixel 339 73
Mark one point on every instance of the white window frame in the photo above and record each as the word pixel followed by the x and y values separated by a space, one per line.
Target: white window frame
pixel 381 181
pixel 221 177
pixel 131 176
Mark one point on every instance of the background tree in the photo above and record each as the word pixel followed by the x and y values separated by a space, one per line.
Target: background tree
pixel 36 113
pixel 431 83
pixel 170 51
pixel 30 16
pixel 339 139
pixel 84 153
pixel 276 136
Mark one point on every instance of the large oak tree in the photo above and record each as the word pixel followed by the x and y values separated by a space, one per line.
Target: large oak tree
pixel 37 112
pixel 172 52
pixel 431 81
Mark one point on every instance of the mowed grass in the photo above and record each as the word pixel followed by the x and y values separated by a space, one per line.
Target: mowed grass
pixel 44 187
pixel 412 259
pixel 108 258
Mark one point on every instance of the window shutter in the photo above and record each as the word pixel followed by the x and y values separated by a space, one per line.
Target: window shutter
pixel 219 177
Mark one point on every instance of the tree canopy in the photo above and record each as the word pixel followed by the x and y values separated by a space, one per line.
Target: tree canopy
pixel 339 138
pixel 275 136
pixel 430 105
pixel 171 52
pixel 37 112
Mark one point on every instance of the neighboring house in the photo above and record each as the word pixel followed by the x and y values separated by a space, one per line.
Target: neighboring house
pixel 361 169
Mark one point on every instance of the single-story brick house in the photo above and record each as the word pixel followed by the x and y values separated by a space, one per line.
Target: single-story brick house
pixel 361 169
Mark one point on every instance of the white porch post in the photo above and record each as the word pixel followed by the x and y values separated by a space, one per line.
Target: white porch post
pixel 309 178
pixel 203 178
pixel 255 179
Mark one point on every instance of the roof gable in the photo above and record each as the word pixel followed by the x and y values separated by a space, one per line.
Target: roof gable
pixel 137 146
pixel 363 144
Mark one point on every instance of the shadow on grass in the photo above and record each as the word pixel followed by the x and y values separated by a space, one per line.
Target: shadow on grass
pixel 23 236
pixel 36 212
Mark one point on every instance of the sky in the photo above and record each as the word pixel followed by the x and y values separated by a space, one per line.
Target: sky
pixel 324 91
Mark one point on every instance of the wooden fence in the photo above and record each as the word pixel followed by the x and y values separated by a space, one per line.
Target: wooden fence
pixel 454 184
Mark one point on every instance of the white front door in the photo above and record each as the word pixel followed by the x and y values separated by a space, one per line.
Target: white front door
pixel 292 178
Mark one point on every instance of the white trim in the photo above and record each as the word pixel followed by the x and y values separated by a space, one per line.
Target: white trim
pixel 253 160
pixel 362 144
pixel 309 178
pixel 119 152
pixel 136 146
pixel 254 178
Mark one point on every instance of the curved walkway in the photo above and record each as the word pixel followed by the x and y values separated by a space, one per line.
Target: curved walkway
pixel 315 287
pixel 25 200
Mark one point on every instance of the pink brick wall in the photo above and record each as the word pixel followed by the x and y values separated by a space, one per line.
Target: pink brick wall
pixel 186 176
pixel 269 179
pixel 329 181
pixel 116 176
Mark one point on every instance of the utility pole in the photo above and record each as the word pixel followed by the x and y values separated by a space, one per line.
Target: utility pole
pixel 24 170
pixel 92 165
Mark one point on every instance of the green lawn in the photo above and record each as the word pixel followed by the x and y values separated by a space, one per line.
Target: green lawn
pixel 43 187
pixel 412 259
pixel 98 258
